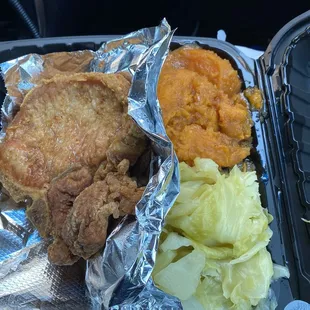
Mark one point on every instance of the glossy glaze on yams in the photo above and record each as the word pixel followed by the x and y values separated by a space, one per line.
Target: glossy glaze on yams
pixel 206 63
pixel 204 114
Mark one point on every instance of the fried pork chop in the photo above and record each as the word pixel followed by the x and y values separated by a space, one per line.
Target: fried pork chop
pixel 66 128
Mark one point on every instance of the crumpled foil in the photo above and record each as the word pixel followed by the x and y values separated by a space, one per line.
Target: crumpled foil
pixel 119 278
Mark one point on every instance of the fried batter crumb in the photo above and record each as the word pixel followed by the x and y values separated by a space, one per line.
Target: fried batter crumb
pixel 85 229
pixel 67 128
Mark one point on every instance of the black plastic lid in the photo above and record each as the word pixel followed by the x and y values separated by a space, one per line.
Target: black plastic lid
pixel 286 77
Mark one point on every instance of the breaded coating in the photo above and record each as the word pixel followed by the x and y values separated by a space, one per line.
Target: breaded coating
pixel 69 149
pixel 85 228
pixel 52 64
pixel 66 121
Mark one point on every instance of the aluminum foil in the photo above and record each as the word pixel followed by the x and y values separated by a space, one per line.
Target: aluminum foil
pixel 119 278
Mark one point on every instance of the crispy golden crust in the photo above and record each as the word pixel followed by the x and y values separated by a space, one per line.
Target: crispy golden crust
pixel 62 193
pixel 85 229
pixel 79 211
pixel 61 63
pixel 64 122
pixel 67 128
pixel 40 216
pixel 58 252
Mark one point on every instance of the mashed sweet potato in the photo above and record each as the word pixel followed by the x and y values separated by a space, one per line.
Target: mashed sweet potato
pixel 204 114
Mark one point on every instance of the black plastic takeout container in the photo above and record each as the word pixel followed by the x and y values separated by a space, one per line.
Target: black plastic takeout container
pixel 281 134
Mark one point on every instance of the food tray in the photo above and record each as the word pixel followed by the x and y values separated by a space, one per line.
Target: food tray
pixel 286 71
pixel 281 251
pixel 282 146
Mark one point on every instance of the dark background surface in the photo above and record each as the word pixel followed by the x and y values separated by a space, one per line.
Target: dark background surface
pixel 250 23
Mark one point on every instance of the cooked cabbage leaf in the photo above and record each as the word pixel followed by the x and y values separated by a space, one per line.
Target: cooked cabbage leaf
pixel 191 304
pixel 280 272
pixel 227 213
pixel 212 253
pixel 182 277
pixel 210 294
pixel 248 281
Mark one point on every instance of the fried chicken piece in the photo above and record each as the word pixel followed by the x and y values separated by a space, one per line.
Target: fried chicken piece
pixel 39 215
pixel 62 193
pixel 59 253
pixel 201 120
pixel 85 228
pixel 206 63
pixel 64 122
pixel 49 213
pixel 106 167
pixel 79 210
